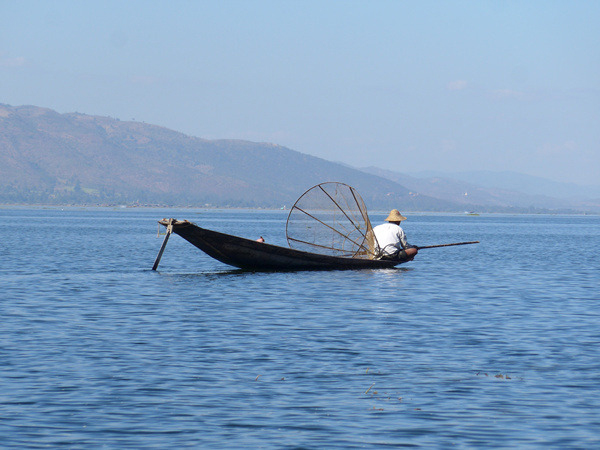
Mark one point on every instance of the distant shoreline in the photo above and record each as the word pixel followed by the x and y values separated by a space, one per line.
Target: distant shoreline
pixel 8 206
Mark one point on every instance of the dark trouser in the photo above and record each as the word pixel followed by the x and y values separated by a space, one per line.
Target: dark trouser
pixel 399 255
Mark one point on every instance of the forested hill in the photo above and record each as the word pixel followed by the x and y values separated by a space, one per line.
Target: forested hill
pixel 47 157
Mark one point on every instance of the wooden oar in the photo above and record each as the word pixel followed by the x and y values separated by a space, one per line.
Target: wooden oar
pixel 447 245
pixel 164 244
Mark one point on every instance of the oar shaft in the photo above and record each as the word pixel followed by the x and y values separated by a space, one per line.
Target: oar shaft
pixel 448 245
pixel 164 244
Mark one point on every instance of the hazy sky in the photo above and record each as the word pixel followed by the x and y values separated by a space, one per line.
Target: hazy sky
pixel 406 86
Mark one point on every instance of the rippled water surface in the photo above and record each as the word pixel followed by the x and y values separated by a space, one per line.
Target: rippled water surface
pixel 488 345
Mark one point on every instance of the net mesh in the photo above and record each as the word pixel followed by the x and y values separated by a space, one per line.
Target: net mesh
pixel 331 219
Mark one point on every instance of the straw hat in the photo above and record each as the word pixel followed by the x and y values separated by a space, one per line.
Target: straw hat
pixel 395 216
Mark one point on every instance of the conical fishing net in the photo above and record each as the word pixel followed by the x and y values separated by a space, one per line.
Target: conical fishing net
pixel 331 219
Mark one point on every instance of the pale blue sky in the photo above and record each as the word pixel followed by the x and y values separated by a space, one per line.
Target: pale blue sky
pixel 405 86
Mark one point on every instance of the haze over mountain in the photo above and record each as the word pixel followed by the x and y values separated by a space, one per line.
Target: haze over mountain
pixel 498 189
pixel 52 158
pixel 526 184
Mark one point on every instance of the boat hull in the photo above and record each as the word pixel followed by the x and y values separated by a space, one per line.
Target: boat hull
pixel 258 256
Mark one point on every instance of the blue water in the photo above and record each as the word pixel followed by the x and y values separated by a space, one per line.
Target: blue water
pixel 489 345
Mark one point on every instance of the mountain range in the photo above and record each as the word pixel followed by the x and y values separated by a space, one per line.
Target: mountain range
pixel 52 158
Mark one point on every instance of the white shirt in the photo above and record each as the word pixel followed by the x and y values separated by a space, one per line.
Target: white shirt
pixel 390 238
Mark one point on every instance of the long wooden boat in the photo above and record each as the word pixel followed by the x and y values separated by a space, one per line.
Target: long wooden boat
pixel 259 256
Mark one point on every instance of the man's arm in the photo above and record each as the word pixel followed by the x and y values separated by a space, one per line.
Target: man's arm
pixel 402 238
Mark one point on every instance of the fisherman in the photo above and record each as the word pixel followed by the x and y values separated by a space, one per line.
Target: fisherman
pixel 392 240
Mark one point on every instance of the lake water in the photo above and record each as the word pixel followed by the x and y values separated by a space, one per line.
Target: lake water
pixel 489 345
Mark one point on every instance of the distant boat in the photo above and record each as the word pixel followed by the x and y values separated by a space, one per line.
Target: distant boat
pixel 327 228
pixel 471 213
pixel 249 254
